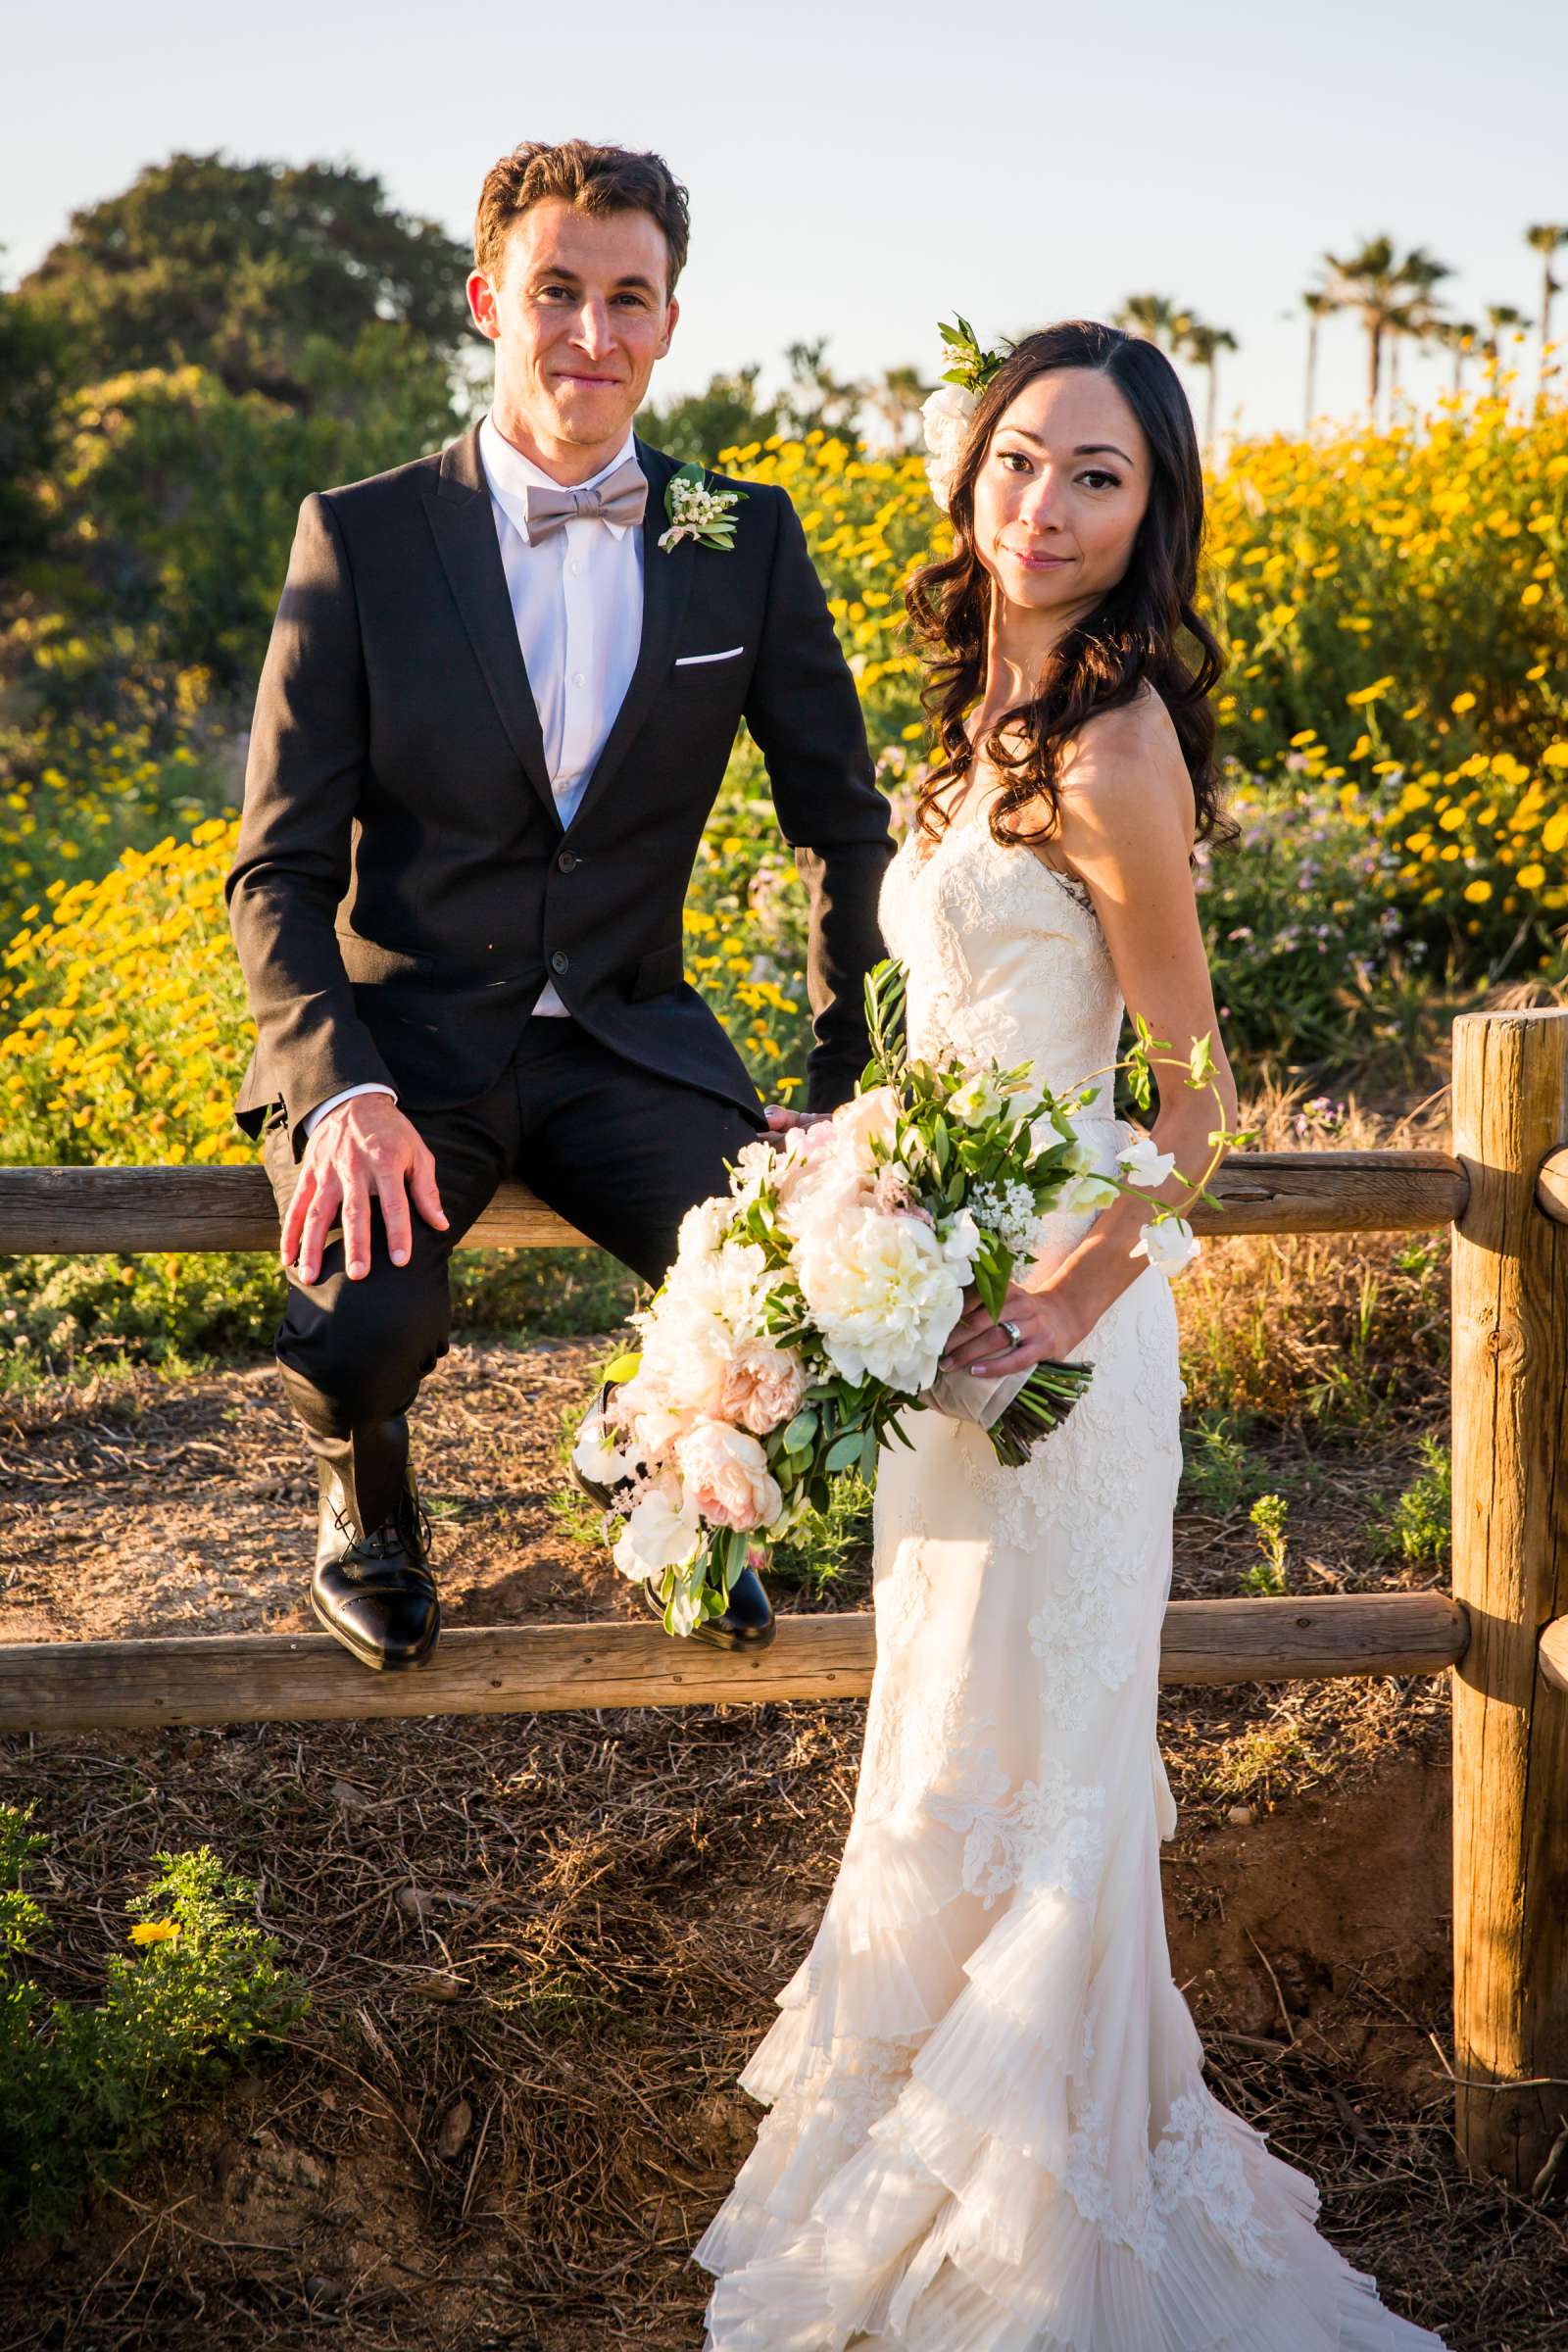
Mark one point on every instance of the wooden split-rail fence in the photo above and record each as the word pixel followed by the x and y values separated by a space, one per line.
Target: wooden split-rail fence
pixel 1502 1633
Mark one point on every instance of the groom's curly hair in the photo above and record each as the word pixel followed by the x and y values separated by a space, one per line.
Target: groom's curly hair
pixel 1145 627
pixel 596 179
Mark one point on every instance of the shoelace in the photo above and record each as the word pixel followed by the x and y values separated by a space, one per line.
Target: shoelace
pixel 384 1541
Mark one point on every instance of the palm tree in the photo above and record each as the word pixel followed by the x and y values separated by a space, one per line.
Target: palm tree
pixel 1458 336
pixel 1204 345
pixel 1501 318
pixel 1545 238
pixel 1420 317
pixel 1317 305
pixel 1380 288
pixel 1156 318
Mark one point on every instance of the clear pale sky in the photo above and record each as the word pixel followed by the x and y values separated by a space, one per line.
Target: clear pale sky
pixel 860 171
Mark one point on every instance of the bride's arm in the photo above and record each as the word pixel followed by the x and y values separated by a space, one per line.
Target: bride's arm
pixel 1126 826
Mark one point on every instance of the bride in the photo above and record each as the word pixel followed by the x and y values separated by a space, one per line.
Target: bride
pixel 989 2128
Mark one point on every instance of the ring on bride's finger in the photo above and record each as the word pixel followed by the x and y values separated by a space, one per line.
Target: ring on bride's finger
pixel 1015 1335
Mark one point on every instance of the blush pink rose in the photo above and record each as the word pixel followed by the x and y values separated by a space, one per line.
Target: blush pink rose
pixel 725 1474
pixel 765 1387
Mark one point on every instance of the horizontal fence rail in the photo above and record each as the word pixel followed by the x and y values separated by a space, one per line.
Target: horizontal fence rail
pixel 277 1678
pixel 72 1211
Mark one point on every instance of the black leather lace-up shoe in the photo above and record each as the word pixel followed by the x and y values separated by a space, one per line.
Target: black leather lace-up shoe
pixel 373 1589
pixel 748 1622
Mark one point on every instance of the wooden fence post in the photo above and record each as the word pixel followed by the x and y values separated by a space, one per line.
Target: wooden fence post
pixel 1510 1573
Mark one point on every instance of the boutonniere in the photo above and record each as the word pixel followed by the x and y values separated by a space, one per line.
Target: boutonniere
pixel 697 511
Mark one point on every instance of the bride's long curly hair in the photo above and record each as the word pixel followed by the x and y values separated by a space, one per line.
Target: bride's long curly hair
pixel 1145 627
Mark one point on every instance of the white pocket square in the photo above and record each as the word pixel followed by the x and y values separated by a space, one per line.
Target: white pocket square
pixel 689 660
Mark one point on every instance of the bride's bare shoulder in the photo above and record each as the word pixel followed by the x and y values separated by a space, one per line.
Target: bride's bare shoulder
pixel 1120 762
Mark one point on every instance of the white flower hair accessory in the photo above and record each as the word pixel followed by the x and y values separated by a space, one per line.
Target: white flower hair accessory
pixel 949 413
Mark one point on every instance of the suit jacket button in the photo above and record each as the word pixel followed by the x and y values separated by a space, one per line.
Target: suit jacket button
pixel 566 863
pixel 559 960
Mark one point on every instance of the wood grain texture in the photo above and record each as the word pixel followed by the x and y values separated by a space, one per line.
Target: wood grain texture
pixel 1510 1573
pixel 68 1211
pixel 266 1678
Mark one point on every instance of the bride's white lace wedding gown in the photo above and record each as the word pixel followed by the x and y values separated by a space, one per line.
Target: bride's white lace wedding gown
pixel 990 2130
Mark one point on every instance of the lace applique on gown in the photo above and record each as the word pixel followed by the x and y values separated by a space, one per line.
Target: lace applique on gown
pixel 989 2128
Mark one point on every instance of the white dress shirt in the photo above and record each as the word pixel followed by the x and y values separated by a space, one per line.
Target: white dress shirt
pixel 577 601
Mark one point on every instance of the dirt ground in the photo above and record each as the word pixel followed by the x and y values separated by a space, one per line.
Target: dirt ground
pixel 540 1950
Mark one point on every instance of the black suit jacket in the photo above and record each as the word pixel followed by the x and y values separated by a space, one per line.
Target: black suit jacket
pixel 403 886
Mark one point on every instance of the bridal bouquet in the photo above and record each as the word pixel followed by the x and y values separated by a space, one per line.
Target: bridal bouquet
pixel 809 1307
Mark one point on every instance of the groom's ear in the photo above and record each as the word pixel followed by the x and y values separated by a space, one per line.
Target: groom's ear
pixel 671 315
pixel 482 302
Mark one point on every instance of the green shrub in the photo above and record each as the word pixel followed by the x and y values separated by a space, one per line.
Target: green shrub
pixel 1216 1467
pixel 84 2089
pixel 1268 1516
pixel 1420 1526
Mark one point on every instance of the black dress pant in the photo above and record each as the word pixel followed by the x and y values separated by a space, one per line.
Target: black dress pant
pixel 620 1153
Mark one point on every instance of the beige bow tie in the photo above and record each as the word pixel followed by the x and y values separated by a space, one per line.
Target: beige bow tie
pixel 621 497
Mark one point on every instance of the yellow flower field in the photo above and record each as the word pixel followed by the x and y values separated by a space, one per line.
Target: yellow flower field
pixel 1396 717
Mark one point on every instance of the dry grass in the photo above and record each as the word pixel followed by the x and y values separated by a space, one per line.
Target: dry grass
pixel 1337 1331
pixel 541 1950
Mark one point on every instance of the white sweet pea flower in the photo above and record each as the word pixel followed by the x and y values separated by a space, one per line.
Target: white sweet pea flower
pixel 1045 1136
pixel 961 1241
pixel 978 1099
pixel 663 1531
pixel 596 1455
pixel 1170 1243
pixel 1088 1193
pixel 1143 1165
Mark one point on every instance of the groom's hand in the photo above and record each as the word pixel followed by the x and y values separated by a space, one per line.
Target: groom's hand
pixel 361 1152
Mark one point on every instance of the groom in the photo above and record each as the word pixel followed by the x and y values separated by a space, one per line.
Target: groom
pixel 493 720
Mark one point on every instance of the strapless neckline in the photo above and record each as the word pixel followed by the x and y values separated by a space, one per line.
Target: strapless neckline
pixel 922 857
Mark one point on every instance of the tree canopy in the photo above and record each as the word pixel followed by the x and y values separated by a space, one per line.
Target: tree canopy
pixel 240 269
